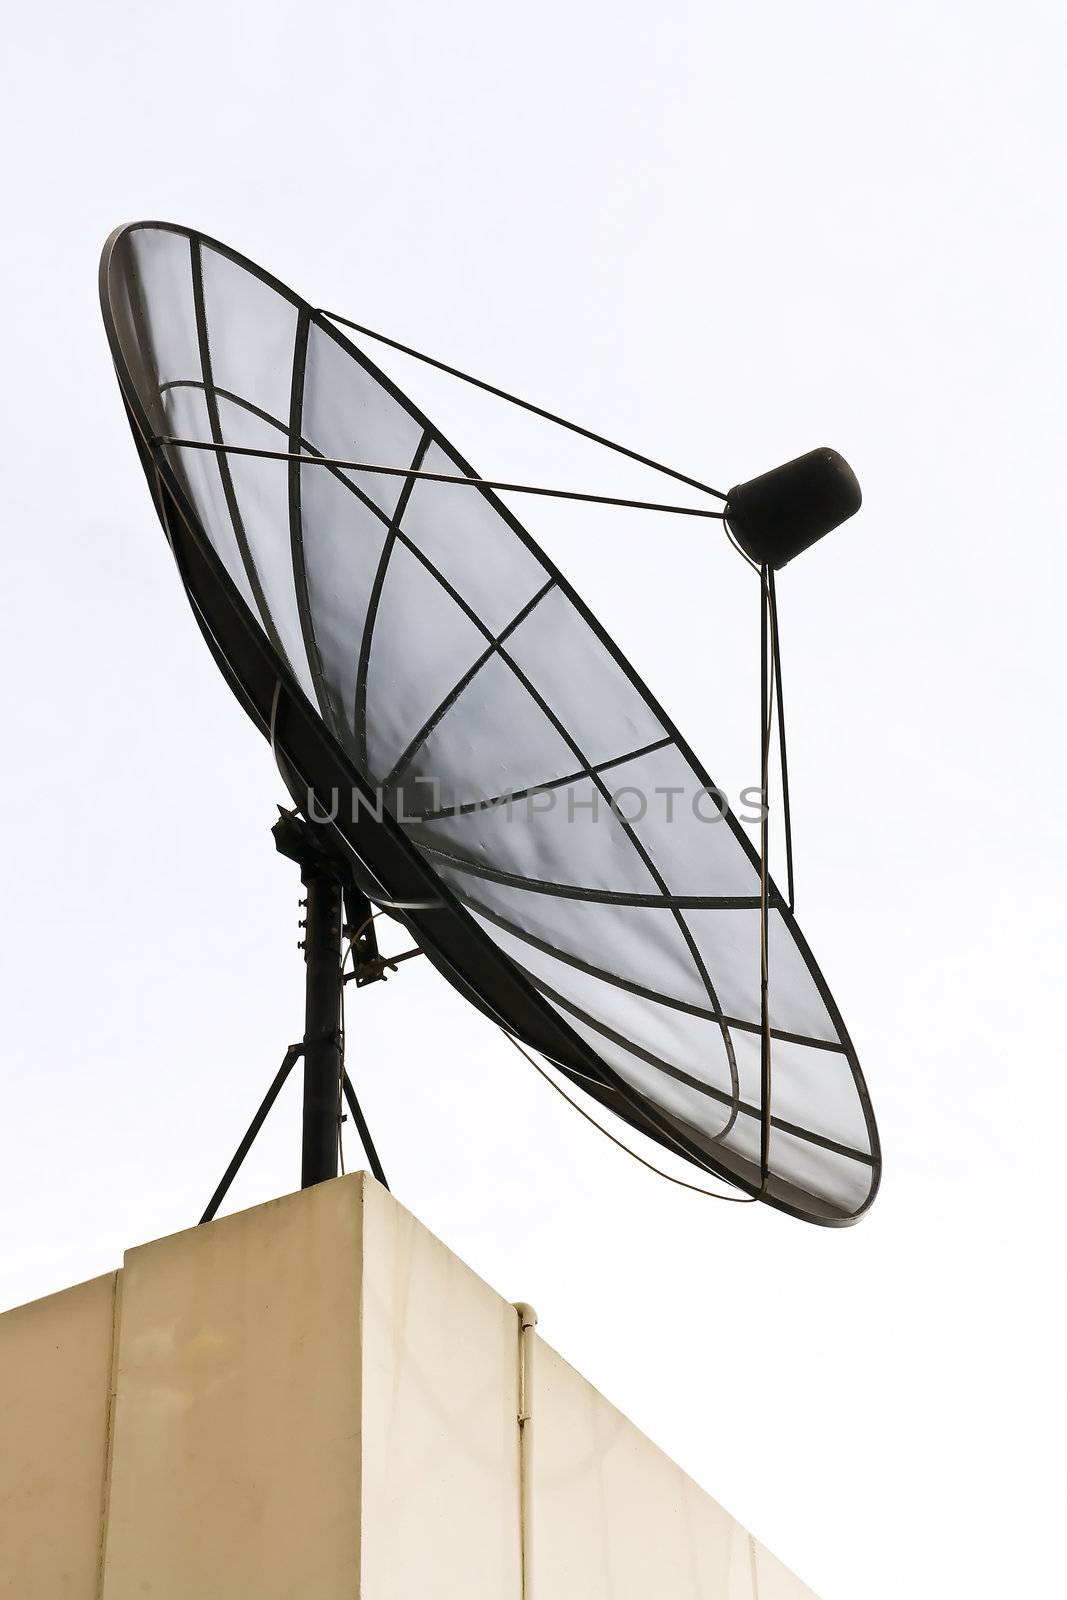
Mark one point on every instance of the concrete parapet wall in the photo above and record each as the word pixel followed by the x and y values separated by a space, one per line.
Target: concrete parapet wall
pixel 315 1399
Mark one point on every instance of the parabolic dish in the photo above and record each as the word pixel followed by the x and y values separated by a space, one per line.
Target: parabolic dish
pixel 407 639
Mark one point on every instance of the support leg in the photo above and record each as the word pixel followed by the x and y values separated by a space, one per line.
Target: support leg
pixel 364 1132
pixel 292 1056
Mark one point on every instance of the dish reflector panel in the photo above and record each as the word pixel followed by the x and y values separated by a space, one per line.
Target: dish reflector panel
pixel 409 639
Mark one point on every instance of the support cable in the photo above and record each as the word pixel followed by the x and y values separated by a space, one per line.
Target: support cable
pixel 787 820
pixel 766 711
pixel 336 464
pixel 524 405
pixel 681 1183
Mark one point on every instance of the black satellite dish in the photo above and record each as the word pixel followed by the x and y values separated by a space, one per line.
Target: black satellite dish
pixel 457 732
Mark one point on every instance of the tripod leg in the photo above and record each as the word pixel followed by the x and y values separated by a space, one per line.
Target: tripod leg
pixel 292 1056
pixel 364 1132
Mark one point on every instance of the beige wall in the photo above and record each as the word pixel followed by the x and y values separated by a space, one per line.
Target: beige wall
pixel 235 1467
pixel 315 1399
pixel 613 1518
pixel 440 1403
pixel 55 1363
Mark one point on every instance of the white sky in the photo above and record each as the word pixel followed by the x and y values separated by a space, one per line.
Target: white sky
pixel 725 233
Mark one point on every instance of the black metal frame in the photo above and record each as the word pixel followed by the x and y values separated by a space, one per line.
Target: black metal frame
pixel 386 862
pixel 331 897
pixel 291 1057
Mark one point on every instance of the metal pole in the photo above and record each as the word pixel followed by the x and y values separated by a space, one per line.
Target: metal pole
pixel 322 1025
pixel 764 847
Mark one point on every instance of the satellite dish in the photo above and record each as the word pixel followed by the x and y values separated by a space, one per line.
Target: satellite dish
pixel 468 748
